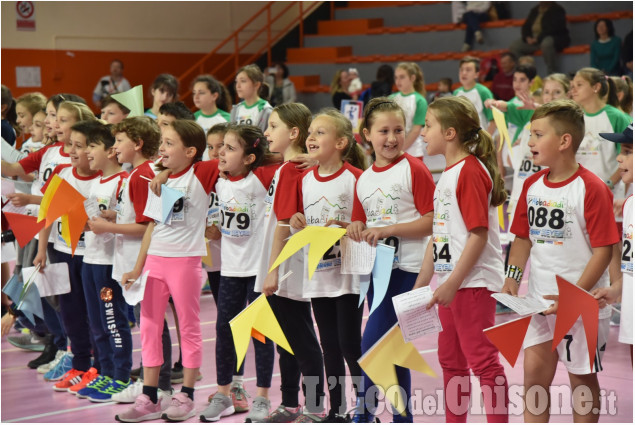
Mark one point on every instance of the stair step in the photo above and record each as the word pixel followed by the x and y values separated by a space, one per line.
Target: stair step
pixel 373 4
pixel 317 54
pixel 349 26
pixel 303 81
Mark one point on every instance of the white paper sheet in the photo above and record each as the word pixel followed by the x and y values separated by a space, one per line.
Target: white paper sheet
pixel 154 207
pixel 53 280
pixel 134 295
pixel 92 208
pixel 523 306
pixel 414 320
pixel 8 186
pixel 10 208
pixel 357 257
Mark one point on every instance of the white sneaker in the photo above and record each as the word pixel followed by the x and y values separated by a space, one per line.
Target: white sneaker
pixel 130 394
pixel 50 365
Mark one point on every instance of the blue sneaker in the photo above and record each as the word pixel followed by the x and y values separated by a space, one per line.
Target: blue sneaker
pixel 105 394
pixel 95 385
pixel 64 365
pixel 361 415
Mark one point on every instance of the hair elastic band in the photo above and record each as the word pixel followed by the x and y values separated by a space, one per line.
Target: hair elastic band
pixel 256 142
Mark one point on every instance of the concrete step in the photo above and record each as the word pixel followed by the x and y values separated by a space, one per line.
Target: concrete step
pixel 348 26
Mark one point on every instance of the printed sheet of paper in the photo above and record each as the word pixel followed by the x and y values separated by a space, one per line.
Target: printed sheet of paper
pixel 522 306
pixel 154 207
pixel 54 280
pixel 134 295
pixel 92 208
pixel 357 257
pixel 414 320
pixel 8 186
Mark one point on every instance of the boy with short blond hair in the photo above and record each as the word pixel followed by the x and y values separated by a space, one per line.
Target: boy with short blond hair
pixel 564 223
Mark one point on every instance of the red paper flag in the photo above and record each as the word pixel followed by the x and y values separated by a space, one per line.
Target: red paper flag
pixel 24 227
pixel 65 198
pixel 76 222
pixel 574 302
pixel 508 337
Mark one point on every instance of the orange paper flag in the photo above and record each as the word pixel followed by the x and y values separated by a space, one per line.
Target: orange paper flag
pixel 574 302
pixel 75 222
pixel 508 337
pixel 258 336
pixel 51 187
pixel 65 198
pixel 24 227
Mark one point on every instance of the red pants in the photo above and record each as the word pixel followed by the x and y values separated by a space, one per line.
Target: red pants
pixel 464 346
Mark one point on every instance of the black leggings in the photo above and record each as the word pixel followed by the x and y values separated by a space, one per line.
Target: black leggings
pixel 296 322
pixel 339 322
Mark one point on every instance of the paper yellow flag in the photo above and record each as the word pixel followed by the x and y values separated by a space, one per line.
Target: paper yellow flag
pixel 501 125
pixel 131 99
pixel 320 240
pixel 66 230
pixel 207 260
pixel 501 217
pixel 257 316
pixel 380 360
pixel 48 196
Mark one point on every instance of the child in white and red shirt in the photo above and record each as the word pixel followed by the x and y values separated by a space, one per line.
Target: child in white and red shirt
pixel 465 253
pixel 326 194
pixel 393 204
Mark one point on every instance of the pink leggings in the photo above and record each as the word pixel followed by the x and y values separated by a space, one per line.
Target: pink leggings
pixel 179 277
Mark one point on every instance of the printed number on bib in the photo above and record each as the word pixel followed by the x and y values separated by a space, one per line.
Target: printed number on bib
pixel 528 167
pixel 213 212
pixel 234 223
pixel 80 244
pixel 441 253
pixel 331 258
pixel 547 220
pixel 627 256
pixel 178 210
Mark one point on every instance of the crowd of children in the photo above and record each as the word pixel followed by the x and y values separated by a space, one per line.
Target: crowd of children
pixel 251 175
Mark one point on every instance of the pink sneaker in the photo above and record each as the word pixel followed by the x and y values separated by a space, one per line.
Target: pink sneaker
pixel 143 410
pixel 181 408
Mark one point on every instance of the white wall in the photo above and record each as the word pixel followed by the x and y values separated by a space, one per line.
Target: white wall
pixel 154 26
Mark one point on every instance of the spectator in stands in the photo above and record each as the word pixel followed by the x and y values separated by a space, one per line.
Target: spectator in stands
pixel 444 89
pixel 475 13
pixel 502 86
pixel 530 61
pixel 627 54
pixel 545 29
pixel 339 87
pixel 606 48
pixel 109 84
pixel 355 86
pixel 282 89
pixel 382 86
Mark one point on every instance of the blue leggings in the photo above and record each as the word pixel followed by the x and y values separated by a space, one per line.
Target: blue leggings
pixel 233 295
pixel 380 322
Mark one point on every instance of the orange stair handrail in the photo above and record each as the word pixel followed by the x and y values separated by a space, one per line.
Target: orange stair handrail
pixel 200 68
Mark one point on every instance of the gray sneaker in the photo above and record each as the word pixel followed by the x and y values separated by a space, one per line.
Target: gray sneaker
pixel 220 406
pixel 259 410
pixel 283 415
pixel 29 342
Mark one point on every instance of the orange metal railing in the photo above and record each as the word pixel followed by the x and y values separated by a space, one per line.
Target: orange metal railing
pixel 203 66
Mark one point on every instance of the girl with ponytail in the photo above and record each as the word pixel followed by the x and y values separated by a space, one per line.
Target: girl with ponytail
pixel 465 252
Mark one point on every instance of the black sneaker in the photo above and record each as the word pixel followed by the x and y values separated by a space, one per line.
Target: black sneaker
pixel 337 418
pixel 50 350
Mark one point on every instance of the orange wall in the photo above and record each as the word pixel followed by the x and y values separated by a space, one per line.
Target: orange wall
pixel 79 72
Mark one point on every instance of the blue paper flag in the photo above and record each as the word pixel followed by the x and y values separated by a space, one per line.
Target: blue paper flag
pixel 13 288
pixel 169 197
pixel 364 286
pixel 382 270
pixel 31 304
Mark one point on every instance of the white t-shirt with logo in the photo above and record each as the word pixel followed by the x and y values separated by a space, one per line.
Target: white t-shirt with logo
pixel 100 249
pixel 414 106
pixel 185 235
pixel 400 192
pixel 564 222
pixel 461 204
pixel 325 198
pixel 242 213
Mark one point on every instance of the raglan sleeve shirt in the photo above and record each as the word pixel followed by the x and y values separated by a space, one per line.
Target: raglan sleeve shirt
pixel 472 193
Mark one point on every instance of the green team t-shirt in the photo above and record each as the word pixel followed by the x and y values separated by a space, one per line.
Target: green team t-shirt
pixel 414 106
pixel 208 121
pixel 517 118
pixel 478 95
